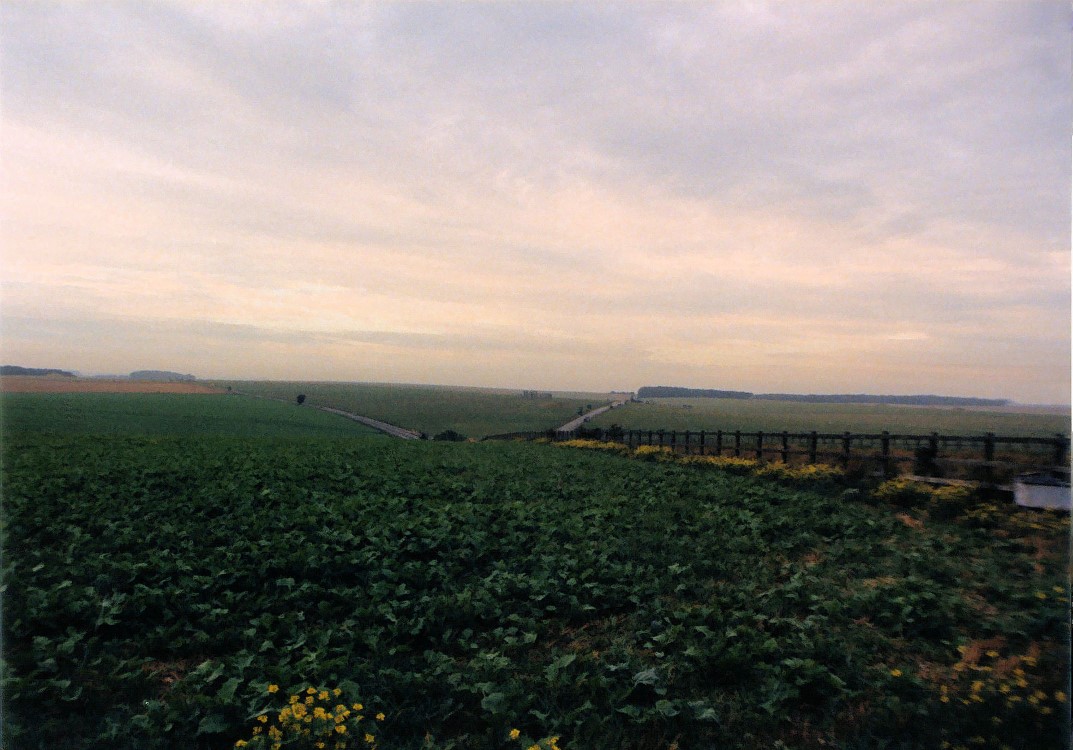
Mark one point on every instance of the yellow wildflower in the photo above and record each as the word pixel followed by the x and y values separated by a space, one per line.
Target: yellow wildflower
pixel 309 700
pixel 1060 696
pixel 241 743
pixel 896 672
pixel 262 718
pixel 992 653
pixel 322 695
pixel 357 707
pixel 514 734
pixel 369 738
pixel 273 688
pixel 337 692
pixel 293 699
pixel 340 728
pixel 311 691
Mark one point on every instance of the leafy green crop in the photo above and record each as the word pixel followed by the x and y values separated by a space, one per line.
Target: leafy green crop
pixel 154 587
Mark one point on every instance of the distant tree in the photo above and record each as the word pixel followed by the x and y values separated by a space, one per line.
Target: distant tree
pixel 451 436
pixel 301 398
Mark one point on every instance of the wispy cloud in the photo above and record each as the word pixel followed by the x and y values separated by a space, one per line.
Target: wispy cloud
pixel 826 196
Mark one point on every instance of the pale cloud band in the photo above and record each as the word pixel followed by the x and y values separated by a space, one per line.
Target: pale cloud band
pixel 763 196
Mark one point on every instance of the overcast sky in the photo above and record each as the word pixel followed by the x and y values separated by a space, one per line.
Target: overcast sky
pixel 794 196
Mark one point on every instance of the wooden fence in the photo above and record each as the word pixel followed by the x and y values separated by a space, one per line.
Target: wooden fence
pixel 985 457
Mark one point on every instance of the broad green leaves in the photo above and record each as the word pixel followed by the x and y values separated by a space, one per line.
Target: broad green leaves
pixel 156 586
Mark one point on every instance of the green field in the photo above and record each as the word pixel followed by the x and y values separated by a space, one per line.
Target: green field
pixel 155 586
pixel 472 412
pixel 749 415
pixel 157 414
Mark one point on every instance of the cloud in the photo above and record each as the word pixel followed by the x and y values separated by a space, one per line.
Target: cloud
pixel 518 191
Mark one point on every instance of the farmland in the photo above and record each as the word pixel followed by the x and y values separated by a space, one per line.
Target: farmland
pixel 160 584
pixel 772 416
pixel 472 412
pixel 53 384
pixel 156 414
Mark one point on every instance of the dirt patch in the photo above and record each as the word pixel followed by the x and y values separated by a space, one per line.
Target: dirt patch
pixel 31 384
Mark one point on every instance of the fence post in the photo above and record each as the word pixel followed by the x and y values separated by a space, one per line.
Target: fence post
pixel 846 438
pixel 719 442
pixel 884 443
pixel 812 441
pixel 650 437
pixel 760 446
pixel 737 442
pixel 785 447
pixel 674 440
pixel 661 438
pixel 989 457
pixel 687 442
pixel 1061 445
pixel 702 442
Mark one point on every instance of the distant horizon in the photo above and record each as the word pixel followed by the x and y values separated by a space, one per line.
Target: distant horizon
pixel 552 389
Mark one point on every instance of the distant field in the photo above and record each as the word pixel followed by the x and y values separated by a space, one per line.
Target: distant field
pixel 53 384
pixel 433 409
pixel 773 416
pixel 158 414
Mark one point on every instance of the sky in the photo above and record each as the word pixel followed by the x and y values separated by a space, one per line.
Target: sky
pixel 816 197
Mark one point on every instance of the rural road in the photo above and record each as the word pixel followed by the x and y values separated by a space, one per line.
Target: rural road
pixel 376 424
pixel 575 423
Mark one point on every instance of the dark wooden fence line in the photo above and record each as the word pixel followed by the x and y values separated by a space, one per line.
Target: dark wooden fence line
pixel 985 453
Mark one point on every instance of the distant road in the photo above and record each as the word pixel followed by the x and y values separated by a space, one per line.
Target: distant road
pixel 376 424
pixel 575 423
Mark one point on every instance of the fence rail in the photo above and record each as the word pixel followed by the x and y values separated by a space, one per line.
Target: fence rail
pixel 987 457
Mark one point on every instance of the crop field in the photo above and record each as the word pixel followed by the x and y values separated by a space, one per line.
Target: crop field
pixel 771 416
pixel 471 412
pixel 52 384
pixel 206 591
pixel 155 414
